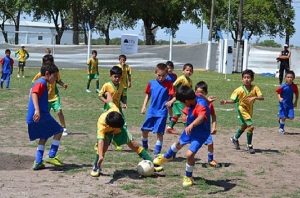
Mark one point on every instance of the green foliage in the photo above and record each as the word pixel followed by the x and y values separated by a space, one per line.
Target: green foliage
pixel 117 41
pixel 268 43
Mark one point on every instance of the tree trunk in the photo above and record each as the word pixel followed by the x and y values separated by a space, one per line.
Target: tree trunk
pixel 85 35
pixel 75 5
pixel 17 27
pixel 106 34
pixel 150 38
pixel 3 32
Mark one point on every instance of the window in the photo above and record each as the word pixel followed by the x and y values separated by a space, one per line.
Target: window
pixel 40 38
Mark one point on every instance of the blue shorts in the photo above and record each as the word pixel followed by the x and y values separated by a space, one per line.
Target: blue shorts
pixel 155 124
pixel 209 140
pixel 195 141
pixel 286 112
pixel 44 130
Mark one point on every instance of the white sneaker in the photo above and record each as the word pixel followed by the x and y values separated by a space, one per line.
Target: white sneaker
pixel 88 91
pixel 23 76
pixel 97 90
pixel 65 133
pixel 281 131
pixel 18 76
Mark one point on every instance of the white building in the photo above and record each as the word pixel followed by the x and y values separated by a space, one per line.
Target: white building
pixel 35 33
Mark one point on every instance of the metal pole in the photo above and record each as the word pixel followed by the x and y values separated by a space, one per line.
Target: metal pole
pixel 210 36
pixel 228 20
pixel 201 39
pixel 89 41
pixel 171 47
pixel 238 41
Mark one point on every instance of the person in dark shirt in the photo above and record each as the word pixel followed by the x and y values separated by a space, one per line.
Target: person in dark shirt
pixel 284 58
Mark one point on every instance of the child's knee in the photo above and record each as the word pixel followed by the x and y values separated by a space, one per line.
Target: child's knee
pixel 250 129
pixel 190 155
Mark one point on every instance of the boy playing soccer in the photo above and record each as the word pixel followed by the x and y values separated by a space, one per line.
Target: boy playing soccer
pixel 171 77
pixel 126 75
pixel 285 94
pixel 92 72
pixel 177 106
pixel 110 126
pixel 195 134
pixel 6 69
pixel 41 125
pixel 160 91
pixel 115 88
pixel 53 93
pixel 23 55
pixel 245 96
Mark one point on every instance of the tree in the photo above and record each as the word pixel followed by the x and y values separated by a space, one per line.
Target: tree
pixel 268 43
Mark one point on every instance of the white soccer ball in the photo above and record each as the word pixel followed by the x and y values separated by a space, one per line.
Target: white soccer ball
pixel 145 168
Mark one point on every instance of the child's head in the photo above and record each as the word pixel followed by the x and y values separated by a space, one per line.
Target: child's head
pixel 116 74
pixel 185 95
pixel 188 70
pixel 122 58
pixel 7 52
pixel 94 53
pixel 48 51
pixel 170 66
pixel 114 120
pixel 161 72
pixel 201 88
pixel 247 76
pixel 50 71
pixel 47 59
pixel 289 77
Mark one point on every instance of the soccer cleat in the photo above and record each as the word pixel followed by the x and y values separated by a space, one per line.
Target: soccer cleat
pixel 160 159
pixel 158 168
pixel 172 131
pixel 38 166
pixel 97 90
pixel 214 163
pixel 235 142
pixel 18 76
pixel 1 86
pixel 96 171
pixel 87 91
pixel 250 149
pixel 23 76
pixel 187 181
pixel 118 148
pixel 55 161
pixel 281 131
pixel 65 133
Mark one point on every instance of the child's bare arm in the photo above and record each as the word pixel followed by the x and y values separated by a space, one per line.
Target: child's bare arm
pixel 146 100
pixel 296 100
pixel 100 152
pixel 222 102
pixel 214 125
pixel 87 69
pixel 61 83
pixel 196 122
pixel 37 114
pixel 279 97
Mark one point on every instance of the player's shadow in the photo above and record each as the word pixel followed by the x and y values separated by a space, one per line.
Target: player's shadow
pixel 266 151
pixel 225 184
pixel 222 165
pixel 67 167
pixel 77 133
pixel 288 133
pixel 181 159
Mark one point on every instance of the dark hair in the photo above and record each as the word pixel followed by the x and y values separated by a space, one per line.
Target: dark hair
pixel 170 63
pixel 7 51
pixel 114 119
pixel 94 52
pixel 290 72
pixel 161 66
pixel 184 93
pixel 115 70
pixel 122 56
pixel 202 85
pixel 188 65
pixel 47 58
pixel 50 67
pixel 249 72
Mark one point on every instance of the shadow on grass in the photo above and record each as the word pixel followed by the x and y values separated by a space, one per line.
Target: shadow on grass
pixel 68 167
pixel 76 133
pixel 266 151
pixel 288 133
pixel 225 184
pixel 10 161
pixel 222 164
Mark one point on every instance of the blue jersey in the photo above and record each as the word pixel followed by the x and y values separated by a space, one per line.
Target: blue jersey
pixel 172 77
pixel 160 93
pixel 6 62
pixel 287 93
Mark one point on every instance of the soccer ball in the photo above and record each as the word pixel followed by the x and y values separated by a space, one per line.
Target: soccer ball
pixel 145 168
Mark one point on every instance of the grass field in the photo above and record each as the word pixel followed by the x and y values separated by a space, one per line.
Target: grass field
pixel 242 174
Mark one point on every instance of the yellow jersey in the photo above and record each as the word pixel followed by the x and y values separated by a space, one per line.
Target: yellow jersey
pixel 240 96
pixel 93 65
pixel 182 80
pixel 126 71
pixel 116 92
pixel 22 55
pixel 102 127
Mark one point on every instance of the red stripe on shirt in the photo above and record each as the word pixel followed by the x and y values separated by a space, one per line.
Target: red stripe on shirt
pixel 38 88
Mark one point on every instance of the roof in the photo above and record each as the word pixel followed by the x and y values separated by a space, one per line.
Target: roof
pixel 32 24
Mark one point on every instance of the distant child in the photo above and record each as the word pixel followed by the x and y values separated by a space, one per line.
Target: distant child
pixel 195 134
pixel 54 101
pixel 160 91
pixel 115 88
pixel 41 125
pixel 285 94
pixel 126 75
pixel 92 72
pixel 245 96
pixel 111 125
pixel 6 69
pixel 171 77
pixel 201 88
pixel 177 106
pixel 23 55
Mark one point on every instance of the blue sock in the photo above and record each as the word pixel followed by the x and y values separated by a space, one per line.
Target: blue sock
pixel 189 170
pixel 281 125
pixel 145 143
pixel 158 147
pixel 39 153
pixel 54 148
pixel 171 152
pixel 210 157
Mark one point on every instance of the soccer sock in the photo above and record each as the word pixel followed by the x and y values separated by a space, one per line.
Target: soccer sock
pixel 281 125
pixel 97 84
pixel 54 148
pixel 88 85
pixel 173 122
pixel 210 156
pixel 145 142
pixel 63 126
pixel 189 170
pixel 143 154
pixel 39 153
pixel 125 99
pixel 249 137
pixel 171 152
pixel 96 160
pixel 158 147
pixel 238 134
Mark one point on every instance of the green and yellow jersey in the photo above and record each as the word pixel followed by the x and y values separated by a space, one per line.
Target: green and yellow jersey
pixel 93 65
pixel 22 55
pixel 182 80
pixel 126 71
pixel 116 92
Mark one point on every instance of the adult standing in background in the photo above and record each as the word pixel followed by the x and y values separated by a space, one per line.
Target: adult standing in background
pixel 284 58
